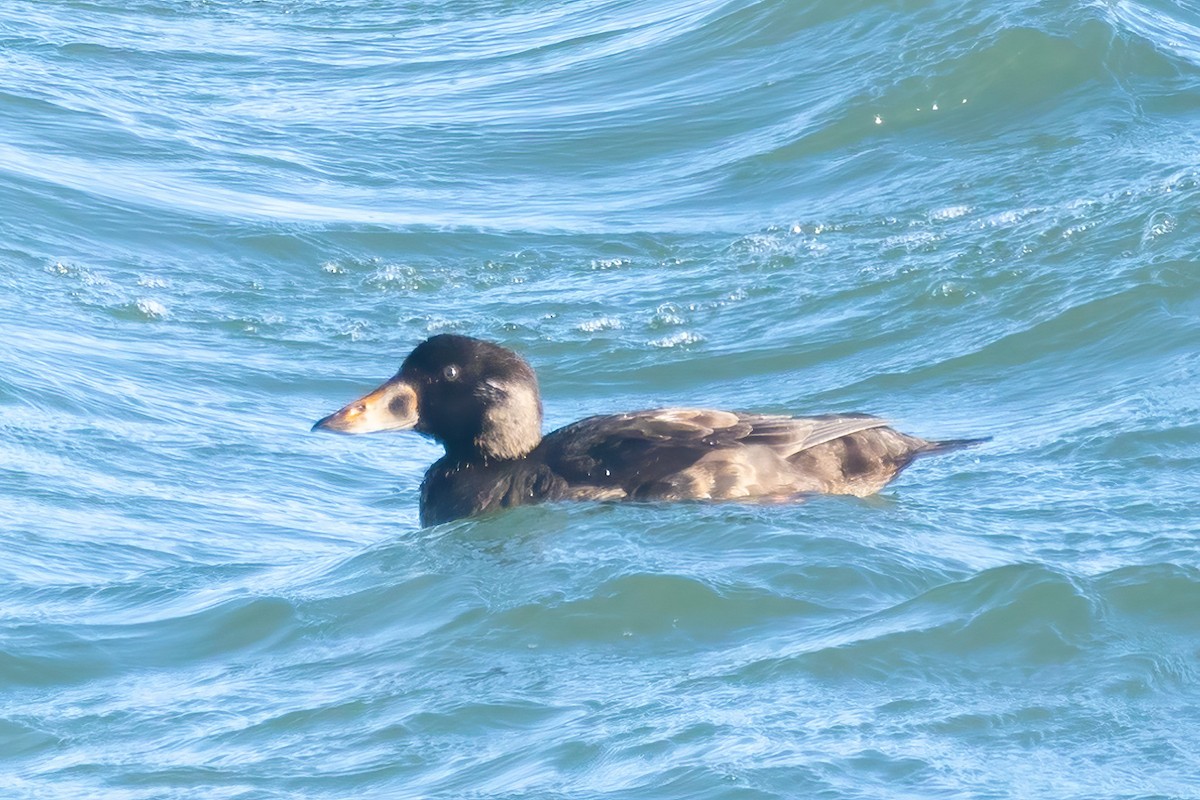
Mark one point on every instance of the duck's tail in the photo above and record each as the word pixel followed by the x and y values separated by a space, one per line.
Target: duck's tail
pixel 947 445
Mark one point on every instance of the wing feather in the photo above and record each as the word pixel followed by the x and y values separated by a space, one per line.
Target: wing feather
pixel 641 447
pixel 791 435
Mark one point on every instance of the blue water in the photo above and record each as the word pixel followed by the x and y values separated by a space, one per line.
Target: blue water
pixel 223 219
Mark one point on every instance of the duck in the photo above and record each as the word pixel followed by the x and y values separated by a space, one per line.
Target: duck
pixel 481 402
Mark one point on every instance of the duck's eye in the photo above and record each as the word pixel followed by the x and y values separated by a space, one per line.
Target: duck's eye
pixel 450 373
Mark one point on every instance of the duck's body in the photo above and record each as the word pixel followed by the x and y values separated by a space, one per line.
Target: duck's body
pixel 678 454
pixel 481 401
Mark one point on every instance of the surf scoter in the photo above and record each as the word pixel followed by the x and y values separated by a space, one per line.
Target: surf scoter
pixel 481 402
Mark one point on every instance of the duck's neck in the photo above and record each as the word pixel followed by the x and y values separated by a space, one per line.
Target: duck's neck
pixel 509 426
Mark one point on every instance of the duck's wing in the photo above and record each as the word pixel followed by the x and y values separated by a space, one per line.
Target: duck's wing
pixel 630 452
pixel 788 436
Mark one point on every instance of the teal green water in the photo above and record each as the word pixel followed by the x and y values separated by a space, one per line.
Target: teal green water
pixel 223 219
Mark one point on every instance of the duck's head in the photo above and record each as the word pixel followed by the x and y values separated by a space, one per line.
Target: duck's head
pixel 477 398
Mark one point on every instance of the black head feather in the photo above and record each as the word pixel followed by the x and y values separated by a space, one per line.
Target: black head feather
pixel 475 397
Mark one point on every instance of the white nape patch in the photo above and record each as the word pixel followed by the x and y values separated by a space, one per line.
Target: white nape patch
pixel 512 423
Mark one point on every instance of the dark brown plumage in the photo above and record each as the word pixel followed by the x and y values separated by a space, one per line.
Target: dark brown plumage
pixel 481 402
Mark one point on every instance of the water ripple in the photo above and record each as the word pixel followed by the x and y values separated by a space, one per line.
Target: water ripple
pixel 226 217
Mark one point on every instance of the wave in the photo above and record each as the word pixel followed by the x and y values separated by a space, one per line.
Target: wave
pixel 668 117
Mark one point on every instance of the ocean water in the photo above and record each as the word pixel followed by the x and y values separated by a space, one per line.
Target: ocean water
pixel 223 219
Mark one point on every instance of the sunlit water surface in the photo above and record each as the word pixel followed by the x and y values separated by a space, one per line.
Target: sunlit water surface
pixel 223 219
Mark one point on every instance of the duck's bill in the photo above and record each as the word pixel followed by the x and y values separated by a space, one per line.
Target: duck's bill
pixel 391 407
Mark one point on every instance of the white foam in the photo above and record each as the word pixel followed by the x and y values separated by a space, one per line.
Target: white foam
pixel 950 212
pixel 151 308
pixel 677 339
pixel 600 324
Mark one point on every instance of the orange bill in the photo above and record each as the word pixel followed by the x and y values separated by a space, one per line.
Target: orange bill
pixel 391 407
